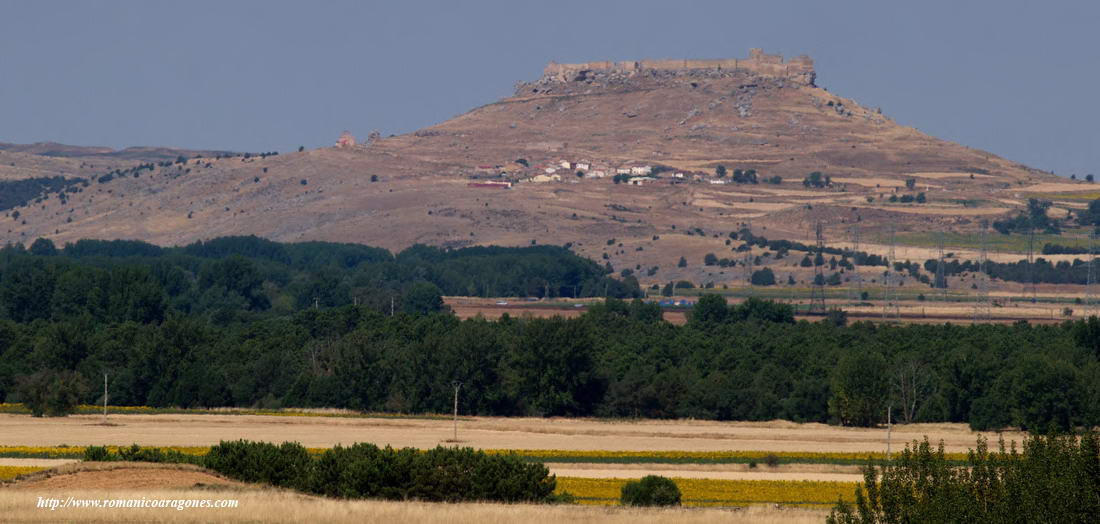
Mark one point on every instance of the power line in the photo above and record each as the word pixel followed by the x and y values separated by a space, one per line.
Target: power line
pixel 1029 287
pixel 941 277
pixel 981 305
pixel 890 312
pixel 817 291
pixel 749 260
pixel 1090 284
pixel 855 281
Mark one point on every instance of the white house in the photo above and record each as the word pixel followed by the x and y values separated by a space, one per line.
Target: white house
pixel 641 170
pixel 565 164
pixel 622 171
pixel 581 166
pixel 678 175
pixel 641 180
pixel 551 170
pixel 539 179
pixel 718 181
pixel 597 173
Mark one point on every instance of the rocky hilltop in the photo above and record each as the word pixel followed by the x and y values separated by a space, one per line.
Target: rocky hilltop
pixel 622 160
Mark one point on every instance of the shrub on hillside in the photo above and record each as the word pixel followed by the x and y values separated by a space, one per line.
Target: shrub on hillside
pixel 651 490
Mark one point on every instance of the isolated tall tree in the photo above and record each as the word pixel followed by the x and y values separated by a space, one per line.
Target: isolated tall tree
pixel 860 389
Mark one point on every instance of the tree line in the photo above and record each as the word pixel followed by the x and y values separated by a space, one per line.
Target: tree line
pixel 248 278
pixel 221 327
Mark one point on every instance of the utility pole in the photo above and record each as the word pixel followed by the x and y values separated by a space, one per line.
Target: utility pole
pixel 316 303
pixel 456 385
pixel 391 305
pixel 104 399
pixel 889 429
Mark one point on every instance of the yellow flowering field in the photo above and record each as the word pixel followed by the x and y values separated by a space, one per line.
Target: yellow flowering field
pixel 707 492
pixel 10 472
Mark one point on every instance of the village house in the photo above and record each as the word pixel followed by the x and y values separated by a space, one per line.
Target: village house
pixel 582 166
pixel 565 164
pixel 641 170
pixel 641 180
pixel 597 173
pixel 622 171
pixel 541 179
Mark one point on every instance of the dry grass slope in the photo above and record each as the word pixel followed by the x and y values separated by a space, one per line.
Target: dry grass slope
pixel 282 506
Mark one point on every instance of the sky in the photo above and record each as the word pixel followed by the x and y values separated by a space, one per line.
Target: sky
pixel 1014 78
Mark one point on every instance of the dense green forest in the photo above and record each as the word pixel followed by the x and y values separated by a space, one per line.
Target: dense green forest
pixel 247 322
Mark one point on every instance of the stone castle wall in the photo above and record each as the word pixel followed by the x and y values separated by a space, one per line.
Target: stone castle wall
pixel 799 68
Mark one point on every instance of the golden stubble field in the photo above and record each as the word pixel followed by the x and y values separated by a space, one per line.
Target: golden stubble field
pixel 17 502
pixel 266 505
pixel 478 432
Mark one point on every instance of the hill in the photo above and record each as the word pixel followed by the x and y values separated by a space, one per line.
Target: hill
pixel 762 120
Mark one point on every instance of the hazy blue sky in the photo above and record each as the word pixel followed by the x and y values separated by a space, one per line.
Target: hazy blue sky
pixel 1016 78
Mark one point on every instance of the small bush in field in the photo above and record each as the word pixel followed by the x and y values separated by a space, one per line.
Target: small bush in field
pixel 651 490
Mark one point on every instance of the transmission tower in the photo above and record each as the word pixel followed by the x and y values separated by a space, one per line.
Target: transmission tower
pixel 748 262
pixel 981 305
pixel 890 311
pixel 1029 286
pixel 855 286
pixel 817 291
pixel 941 274
pixel 1090 284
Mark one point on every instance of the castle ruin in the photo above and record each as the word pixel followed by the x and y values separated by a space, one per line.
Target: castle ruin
pixel 799 69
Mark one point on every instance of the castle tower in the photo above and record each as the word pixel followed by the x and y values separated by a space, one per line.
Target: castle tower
pixel 345 140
